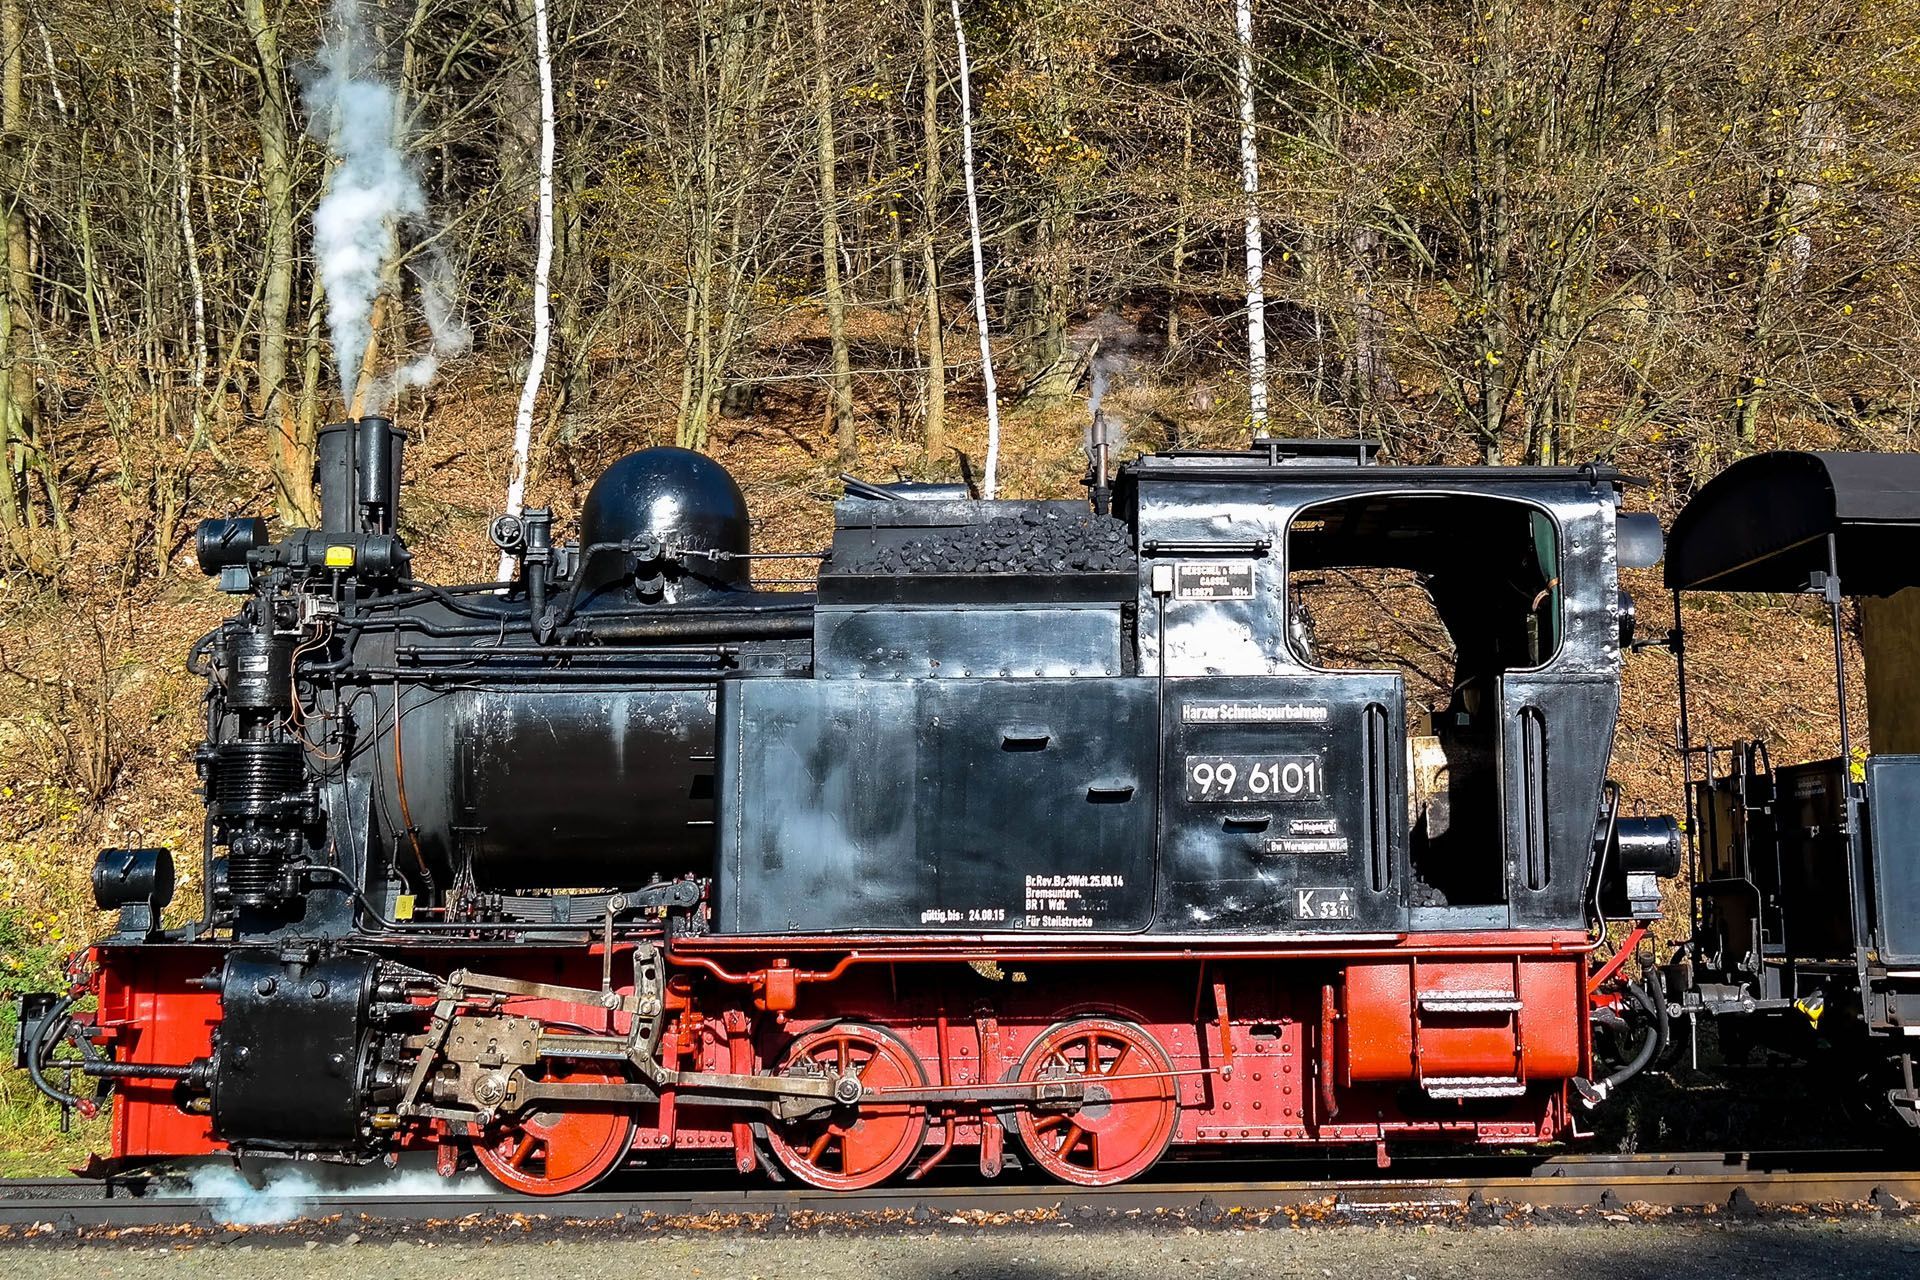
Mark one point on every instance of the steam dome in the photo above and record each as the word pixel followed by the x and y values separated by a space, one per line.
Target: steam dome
pixel 675 498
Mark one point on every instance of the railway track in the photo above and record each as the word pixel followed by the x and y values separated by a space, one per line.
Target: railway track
pixel 1694 1180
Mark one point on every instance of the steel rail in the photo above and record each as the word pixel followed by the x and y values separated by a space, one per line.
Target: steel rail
pixel 1696 1180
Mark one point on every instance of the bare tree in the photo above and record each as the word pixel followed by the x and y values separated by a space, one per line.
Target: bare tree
pixel 840 415
pixel 23 445
pixel 935 378
pixel 292 456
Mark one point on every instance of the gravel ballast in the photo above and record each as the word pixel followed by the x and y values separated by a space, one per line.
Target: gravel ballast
pixel 1814 1248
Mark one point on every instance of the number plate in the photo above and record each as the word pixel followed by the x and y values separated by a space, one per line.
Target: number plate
pixel 1323 904
pixel 1240 779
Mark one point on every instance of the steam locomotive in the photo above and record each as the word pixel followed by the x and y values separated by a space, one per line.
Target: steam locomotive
pixel 1041 820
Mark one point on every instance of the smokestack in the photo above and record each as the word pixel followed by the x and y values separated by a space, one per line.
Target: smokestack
pixel 1099 490
pixel 359 472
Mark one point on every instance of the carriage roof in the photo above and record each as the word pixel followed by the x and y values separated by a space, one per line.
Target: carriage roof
pixel 1765 522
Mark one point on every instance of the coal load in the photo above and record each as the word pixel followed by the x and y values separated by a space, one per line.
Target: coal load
pixel 1031 542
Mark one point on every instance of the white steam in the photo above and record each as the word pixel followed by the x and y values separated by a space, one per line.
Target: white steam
pixel 239 1203
pixel 1111 341
pixel 1103 427
pixel 440 305
pixel 374 192
pixel 1101 378
pixel 293 1192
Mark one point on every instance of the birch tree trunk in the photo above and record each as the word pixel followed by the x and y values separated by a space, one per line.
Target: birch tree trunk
pixel 841 413
pixel 171 469
pixel 1256 266
pixel 189 241
pixel 1782 254
pixel 991 484
pixel 1818 144
pixel 542 270
pixel 1373 378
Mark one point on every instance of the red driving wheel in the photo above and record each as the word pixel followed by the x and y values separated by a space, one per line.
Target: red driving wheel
pixel 549 1151
pixel 1126 1118
pixel 861 1144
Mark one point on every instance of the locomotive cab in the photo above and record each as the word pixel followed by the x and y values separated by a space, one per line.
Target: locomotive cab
pixel 1468 620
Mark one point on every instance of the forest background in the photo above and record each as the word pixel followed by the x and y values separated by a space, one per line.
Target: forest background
pixel 1660 234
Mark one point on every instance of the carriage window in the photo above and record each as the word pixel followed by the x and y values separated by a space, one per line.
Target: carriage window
pixel 1452 592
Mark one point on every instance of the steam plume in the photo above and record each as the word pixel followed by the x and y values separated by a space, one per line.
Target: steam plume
pixel 374 192
pixel 1112 340
pixel 1101 378
pixel 290 1193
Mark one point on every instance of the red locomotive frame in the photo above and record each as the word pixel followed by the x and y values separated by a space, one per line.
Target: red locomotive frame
pixel 1212 1045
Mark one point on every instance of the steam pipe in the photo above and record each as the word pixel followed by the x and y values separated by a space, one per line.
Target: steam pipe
pixel 763 626
pixel 534 560
pixel 1099 491
pixel 1656 1039
pixel 478 676
pixel 571 600
pixel 661 622
pixel 440 630
pixel 37 1046
pixel 691 656
pixel 194 1072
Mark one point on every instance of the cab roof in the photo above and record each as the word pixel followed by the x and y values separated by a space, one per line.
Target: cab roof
pixel 1341 461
